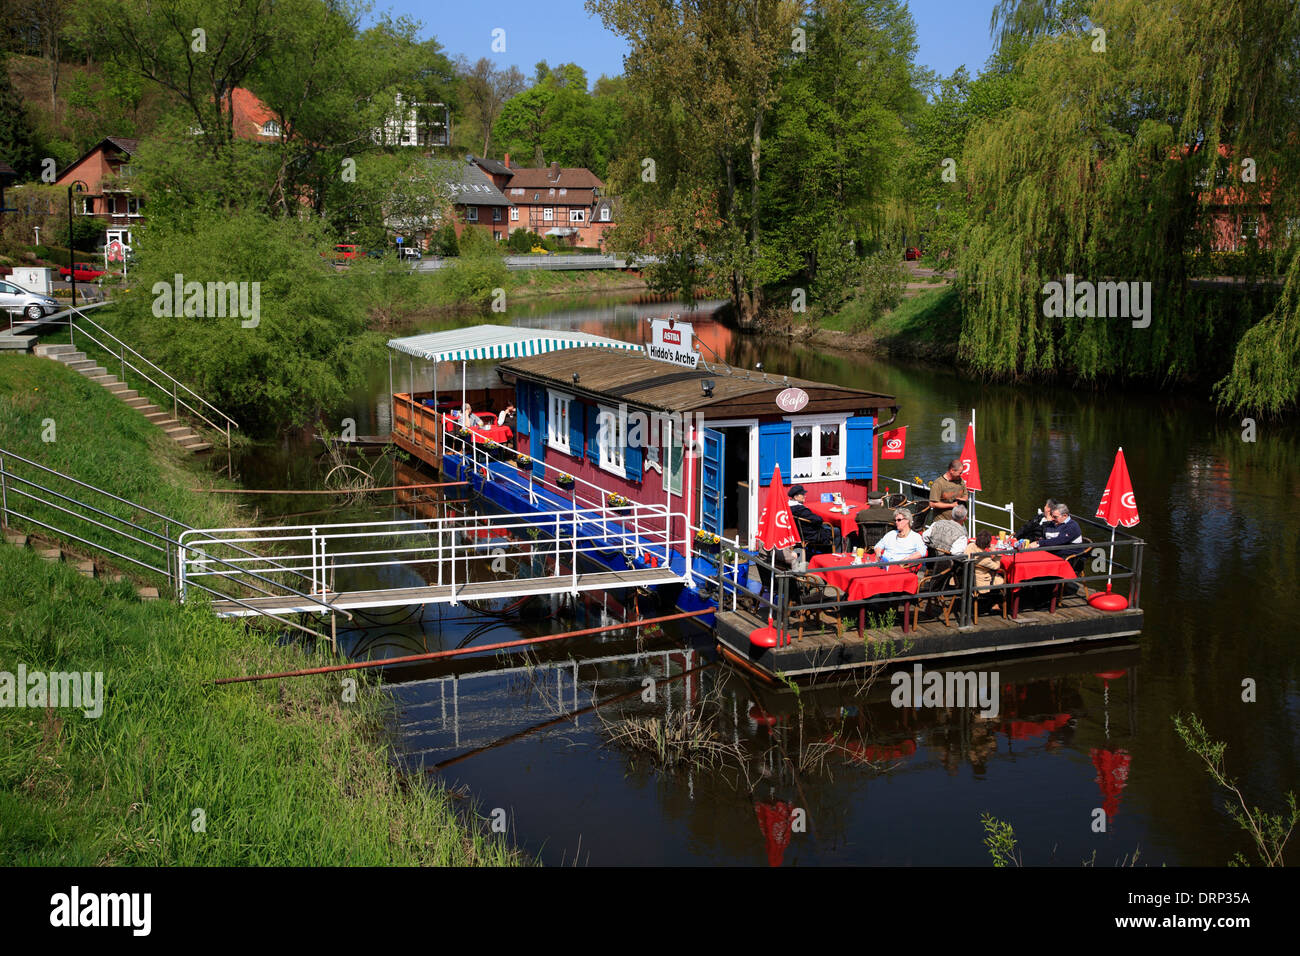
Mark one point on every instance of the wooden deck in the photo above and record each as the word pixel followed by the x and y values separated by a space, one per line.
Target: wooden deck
pixel 444 594
pixel 824 651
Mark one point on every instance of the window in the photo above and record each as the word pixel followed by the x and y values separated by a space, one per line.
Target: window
pixel 577 215
pixel 514 213
pixel 552 192
pixel 270 128
pixel 604 214
pixel 536 196
pixel 612 441
pixel 548 214
pixel 496 213
pixel 132 206
pixel 1250 227
pixel 87 207
pixel 564 192
pixel 557 420
pixel 816 450
pixel 674 450
pixel 471 213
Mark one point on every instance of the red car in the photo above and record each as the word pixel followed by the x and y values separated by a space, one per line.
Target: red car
pixel 346 251
pixel 84 272
pixel 912 254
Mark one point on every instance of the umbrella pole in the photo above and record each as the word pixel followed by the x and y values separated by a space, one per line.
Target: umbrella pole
pixel 1110 566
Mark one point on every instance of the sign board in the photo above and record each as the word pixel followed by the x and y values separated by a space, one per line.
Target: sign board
pixel 671 342
pixel 792 400
pixel 115 251
pixel 32 279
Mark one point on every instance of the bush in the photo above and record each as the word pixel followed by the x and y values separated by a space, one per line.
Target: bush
pixel 443 242
pixel 521 241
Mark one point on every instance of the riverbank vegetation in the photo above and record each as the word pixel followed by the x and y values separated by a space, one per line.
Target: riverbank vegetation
pixel 177 771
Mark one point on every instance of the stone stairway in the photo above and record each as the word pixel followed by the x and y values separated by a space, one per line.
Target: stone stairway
pixel 183 435
pixel 87 567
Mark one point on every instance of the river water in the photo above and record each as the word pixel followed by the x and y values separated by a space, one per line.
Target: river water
pixel 552 744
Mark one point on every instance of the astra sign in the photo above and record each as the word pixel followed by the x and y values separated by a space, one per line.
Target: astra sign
pixel 671 342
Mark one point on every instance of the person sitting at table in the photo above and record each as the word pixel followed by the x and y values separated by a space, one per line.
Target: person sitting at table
pixel 988 567
pixel 822 536
pixel 901 544
pixel 1033 530
pixel 947 535
pixel 949 489
pixel 1063 530
pixel 506 416
pixel 467 417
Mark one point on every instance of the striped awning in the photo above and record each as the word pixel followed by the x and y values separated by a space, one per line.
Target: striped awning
pixel 498 342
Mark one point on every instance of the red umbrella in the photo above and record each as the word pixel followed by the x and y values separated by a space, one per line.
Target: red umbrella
pixel 1118 507
pixel 1112 774
pixel 970 464
pixel 776 524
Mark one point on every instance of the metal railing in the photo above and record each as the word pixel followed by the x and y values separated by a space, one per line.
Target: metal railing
pixel 150 536
pixel 456 550
pixel 128 358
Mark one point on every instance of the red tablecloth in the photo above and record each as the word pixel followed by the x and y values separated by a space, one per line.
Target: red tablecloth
pixel 847 523
pixel 1025 565
pixel 493 432
pixel 866 579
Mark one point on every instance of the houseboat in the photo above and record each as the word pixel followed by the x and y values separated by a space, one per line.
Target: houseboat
pixel 664 459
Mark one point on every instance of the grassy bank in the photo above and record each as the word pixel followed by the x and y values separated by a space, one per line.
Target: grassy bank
pixel 283 772
pixel 927 326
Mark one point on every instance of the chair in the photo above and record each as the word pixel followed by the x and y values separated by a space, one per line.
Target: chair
pixel 874 523
pixel 806 589
pixel 808 530
pixel 1078 561
pixel 941 577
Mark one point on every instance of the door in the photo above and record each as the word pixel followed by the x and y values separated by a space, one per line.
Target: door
pixel 711 476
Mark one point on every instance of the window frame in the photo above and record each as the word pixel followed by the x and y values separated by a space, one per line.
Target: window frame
pixel 554 401
pixel 816 459
pixel 578 215
pixel 471 213
pixel 612 457
pixel 514 213
pixel 548 214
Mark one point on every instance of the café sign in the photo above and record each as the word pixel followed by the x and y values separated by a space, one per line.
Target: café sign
pixel 671 342
pixel 792 400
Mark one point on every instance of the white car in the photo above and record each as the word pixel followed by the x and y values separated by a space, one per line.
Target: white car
pixel 33 305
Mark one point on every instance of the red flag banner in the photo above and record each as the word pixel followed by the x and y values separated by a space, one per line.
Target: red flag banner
pixel 893 443
pixel 970 464
pixel 1118 506
pixel 776 524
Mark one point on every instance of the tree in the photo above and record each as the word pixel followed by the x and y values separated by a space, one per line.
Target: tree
pixel 702 76
pixel 18 145
pixel 486 89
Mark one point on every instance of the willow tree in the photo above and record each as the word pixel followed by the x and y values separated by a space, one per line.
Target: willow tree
pixel 701 78
pixel 1105 170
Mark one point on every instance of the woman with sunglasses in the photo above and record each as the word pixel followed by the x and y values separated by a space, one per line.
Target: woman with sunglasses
pixel 901 544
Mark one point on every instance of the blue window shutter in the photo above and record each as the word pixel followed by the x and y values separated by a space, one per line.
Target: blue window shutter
pixel 522 397
pixel 577 418
pixel 593 433
pixel 773 450
pixel 538 444
pixel 858 438
pixel 632 463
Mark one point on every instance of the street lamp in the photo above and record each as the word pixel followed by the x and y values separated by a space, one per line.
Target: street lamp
pixel 80 187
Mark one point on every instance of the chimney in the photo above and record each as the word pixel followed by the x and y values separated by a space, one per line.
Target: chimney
pixel 555 172
pixel 507 163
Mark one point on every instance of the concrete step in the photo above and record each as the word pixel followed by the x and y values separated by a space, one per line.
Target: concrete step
pixel 79 364
pixel 16 343
pixel 49 351
pixel 139 403
pixel 16 538
pixel 179 431
pixel 104 379
pixel 197 447
pixel 93 371
pixel 147 593
pixel 159 417
pixel 54 555
pixel 122 391
pixel 85 567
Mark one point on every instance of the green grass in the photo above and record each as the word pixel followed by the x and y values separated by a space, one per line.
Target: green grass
pixel 932 317
pixel 285 771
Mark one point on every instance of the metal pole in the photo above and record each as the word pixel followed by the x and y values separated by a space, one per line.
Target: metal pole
pixel 1137 574
pixel 392 422
pixel 4 497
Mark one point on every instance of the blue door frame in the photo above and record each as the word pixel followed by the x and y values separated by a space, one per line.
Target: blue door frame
pixel 711 477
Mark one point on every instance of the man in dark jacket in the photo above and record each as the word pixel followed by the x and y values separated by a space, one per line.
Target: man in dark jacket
pixel 1033 531
pixel 1064 530
pixel 822 537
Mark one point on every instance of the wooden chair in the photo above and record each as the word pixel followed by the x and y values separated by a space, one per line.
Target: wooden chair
pixel 808 530
pixel 1078 563
pixel 941 576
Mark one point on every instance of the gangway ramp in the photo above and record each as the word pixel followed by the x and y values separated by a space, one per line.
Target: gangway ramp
pixel 461 557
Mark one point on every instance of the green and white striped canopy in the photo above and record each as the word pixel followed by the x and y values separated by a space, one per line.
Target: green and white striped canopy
pixel 498 342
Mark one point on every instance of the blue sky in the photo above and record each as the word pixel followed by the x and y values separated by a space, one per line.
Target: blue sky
pixel 949 32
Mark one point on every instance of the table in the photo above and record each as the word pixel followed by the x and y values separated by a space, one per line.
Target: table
pixel 1023 566
pixel 864 581
pixel 847 523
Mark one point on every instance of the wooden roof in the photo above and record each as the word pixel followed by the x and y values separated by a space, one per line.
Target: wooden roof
pixel 644 382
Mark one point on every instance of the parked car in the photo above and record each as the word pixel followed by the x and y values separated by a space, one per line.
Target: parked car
pixel 33 305
pixel 83 271
pixel 912 254
pixel 410 252
pixel 345 251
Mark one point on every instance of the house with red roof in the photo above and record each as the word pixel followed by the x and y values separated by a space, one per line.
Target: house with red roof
pixel 108 182
pixel 562 203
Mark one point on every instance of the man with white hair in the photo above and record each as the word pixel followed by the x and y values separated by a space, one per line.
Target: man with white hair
pixel 947 535
pixel 1063 530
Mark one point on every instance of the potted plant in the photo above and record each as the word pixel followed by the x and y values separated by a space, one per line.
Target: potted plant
pixel 564 481
pixel 737 565
pixel 616 500
pixel 523 462
pixel 707 542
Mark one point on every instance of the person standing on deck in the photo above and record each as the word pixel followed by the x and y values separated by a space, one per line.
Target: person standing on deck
pixel 948 490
